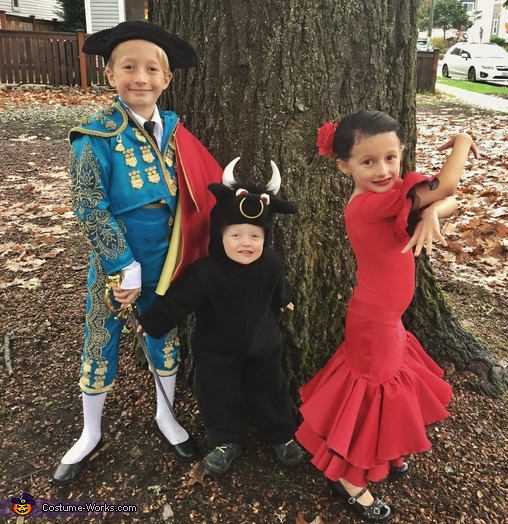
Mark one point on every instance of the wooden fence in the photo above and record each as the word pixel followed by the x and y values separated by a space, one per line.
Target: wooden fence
pixel 426 71
pixel 37 57
pixel 27 23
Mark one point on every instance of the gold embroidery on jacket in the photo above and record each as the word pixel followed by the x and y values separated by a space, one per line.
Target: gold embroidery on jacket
pixel 169 158
pixel 130 159
pixel 104 237
pixel 136 180
pixel 87 195
pixel 152 174
pixel 146 153
pixel 139 135
pixel 119 145
pixel 172 185
pixel 87 191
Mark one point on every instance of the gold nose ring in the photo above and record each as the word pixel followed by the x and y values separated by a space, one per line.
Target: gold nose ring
pixel 251 216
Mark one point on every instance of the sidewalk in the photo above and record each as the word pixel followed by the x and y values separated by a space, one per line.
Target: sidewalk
pixel 495 103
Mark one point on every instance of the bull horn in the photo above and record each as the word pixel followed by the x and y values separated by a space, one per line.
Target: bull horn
pixel 228 177
pixel 274 184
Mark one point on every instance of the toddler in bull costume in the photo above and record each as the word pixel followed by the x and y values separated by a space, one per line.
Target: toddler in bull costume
pixel 236 342
pixel 139 188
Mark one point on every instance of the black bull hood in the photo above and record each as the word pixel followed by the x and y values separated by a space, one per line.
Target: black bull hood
pixel 245 203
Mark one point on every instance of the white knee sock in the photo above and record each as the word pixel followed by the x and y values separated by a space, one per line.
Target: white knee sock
pixel 92 415
pixel 169 426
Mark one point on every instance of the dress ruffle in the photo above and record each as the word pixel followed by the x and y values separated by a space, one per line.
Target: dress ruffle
pixel 356 427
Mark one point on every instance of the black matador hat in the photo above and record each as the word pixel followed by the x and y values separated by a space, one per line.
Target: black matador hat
pixel 180 53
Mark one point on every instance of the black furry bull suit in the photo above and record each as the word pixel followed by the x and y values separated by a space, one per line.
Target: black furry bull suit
pixel 236 342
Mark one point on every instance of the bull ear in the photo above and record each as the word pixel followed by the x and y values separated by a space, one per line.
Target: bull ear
pixel 274 184
pixel 281 206
pixel 228 176
pixel 219 191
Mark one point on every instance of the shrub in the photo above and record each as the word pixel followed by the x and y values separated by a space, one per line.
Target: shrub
pixel 438 42
pixel 499 41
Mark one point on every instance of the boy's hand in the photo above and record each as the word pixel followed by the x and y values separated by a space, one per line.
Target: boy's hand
pixel 126 296
pixel 465 137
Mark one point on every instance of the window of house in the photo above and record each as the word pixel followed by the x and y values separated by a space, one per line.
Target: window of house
pixel 15 5
pixel 469 6
pixel 495 25
pixel 136 9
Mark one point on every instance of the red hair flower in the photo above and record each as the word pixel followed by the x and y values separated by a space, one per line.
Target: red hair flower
pixel 325 139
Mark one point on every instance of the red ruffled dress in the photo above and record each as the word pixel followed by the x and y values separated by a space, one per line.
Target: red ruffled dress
pixel 369 405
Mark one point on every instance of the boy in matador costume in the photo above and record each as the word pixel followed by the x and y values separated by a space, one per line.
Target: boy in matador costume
pixel 139 187
pixel 236 343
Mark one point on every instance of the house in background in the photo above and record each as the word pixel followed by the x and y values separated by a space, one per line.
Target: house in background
pixel 29 15
pixel 488 17
pixel 102 14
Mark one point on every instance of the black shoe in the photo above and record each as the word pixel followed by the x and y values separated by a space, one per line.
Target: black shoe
pixel 290 453
pixel 397 472
pixel 186 451
pixel 379 511
pixel 219 460
pixel 66 473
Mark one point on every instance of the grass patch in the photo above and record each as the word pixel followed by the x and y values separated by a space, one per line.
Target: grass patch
pixel 476 87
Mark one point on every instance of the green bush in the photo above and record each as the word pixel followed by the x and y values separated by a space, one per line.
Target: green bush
pixel 438 42
pixel 499 41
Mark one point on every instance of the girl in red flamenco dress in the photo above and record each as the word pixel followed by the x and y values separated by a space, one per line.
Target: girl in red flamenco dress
pixel 368 407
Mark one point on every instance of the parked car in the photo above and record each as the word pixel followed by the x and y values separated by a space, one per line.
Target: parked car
pixel 476 62
pixel 423 44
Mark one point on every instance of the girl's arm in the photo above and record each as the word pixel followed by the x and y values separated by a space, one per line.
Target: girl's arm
pixel 450 173
pixel 429 228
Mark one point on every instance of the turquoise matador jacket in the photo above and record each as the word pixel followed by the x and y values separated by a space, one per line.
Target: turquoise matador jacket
pixel 136 203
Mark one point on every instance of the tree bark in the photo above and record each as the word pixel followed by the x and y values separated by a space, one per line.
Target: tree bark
pixel 269 74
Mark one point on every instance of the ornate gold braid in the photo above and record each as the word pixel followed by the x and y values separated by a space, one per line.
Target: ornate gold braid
pixel 121 312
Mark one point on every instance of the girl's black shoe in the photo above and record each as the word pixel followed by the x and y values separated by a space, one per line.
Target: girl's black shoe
pixel 397 472
pixel 379 511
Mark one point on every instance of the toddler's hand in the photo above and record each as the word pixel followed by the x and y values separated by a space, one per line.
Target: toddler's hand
pixel 290 306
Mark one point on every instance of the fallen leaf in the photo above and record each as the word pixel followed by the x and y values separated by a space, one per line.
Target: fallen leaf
pixel 301 520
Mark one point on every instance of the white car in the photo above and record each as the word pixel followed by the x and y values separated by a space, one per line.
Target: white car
pixel 423 44
pixel 476 62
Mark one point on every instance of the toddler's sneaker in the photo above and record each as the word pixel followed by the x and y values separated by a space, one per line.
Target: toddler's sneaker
pixel 289 453
pixel 219 460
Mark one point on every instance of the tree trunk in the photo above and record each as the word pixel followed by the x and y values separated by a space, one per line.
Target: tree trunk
pixel 431 320
pixel 270 73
